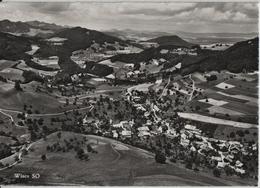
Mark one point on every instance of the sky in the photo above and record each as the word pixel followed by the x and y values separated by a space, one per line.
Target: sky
pixel 166 17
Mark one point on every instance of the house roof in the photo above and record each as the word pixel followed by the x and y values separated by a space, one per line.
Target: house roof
pixel 126 133
pixel 144 128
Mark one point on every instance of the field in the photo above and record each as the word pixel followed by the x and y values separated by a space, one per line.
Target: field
pixel 40 101
pixel 228 96
pixel 113 164
pixel 6 64
pixel 10 132
pixel 25 67
pixel 233 106
pixel 12 74
pixel 140 87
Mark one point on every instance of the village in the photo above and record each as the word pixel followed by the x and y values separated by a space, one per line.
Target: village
pixel 152 123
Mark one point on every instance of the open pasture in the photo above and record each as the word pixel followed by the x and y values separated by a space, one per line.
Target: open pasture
pixel 140 87
pixel 11 129
pixel 240 98
pixel 109 166
pixel 225 133
pixel 219 95
pixel 224 86
pixel 243 108
pixel 48 62
pixel 213 102
pixel 41 102
pixel 6 64
pixel 221 110
pixel 12 74
pixel 25 67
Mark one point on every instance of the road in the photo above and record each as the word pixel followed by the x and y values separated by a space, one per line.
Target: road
pixel 9 116
pixel 80 97
pixel 19 156
pixel 39 115
pixel 193 88
pixel 60 113
pixel 165 87
pixel 31 115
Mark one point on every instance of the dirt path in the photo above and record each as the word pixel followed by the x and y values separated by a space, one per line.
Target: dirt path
pixel 165 87
pixel 193 88
pixel 19 154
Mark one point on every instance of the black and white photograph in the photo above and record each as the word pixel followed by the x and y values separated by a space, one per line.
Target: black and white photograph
pixel 129 93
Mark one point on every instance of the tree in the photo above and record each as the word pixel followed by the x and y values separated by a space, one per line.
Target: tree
pixel 67 102
pixel 212 77
pixel 5 150
pixel 48 148
pixel 160 157
pixel 24 152
pixel 240 133
pixel 189 165
pixel 197 108
pixel 228 170
pixel 16 158
pixel 43 157
pixel 216 172
pixel 232 135
pixel 59 135
pixel 17 85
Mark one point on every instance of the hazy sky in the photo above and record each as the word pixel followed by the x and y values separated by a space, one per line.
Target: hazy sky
pixel 189 17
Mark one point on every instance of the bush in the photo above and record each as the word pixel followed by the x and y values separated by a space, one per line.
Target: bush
pixel 43 157
pixel 173 160
pixel 90 149
pixel 17 86
pixel 232 135
pixel 160 158
pixel 188 165
pixel 196 169
pixel 240 133
pixel 228 170
pixel 216 172
pixel 5 150
pixel 212 77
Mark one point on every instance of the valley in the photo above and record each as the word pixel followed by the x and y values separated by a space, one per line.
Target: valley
pixel 83 107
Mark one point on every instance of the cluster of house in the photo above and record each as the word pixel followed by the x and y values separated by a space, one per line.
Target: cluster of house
pixel 88 54
pixel 56 41
pixel 221 152
pixel 180 51
pixel 149 44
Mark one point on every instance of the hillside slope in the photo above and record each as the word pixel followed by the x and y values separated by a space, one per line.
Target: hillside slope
pixel 76 38
pixel 29 29
pixel 172 40
pixel 239 57
pixel 242 56
pixel 13 47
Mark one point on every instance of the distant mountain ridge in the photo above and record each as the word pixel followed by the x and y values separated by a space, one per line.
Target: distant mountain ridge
pixel 172 40
pixel 196 38
pixel 241 56
pixel 13 27
pixel 13 47
pixel 45 26
pixel 76 38
pixel 31 28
